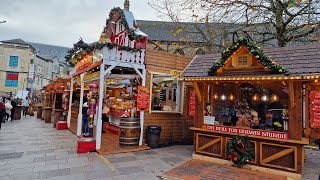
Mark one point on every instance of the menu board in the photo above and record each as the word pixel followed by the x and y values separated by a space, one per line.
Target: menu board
pixel 143 99
pixel 315 108
pixel 192 103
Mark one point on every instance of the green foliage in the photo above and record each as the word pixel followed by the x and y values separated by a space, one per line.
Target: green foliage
pixel 240 150
pixel 254 50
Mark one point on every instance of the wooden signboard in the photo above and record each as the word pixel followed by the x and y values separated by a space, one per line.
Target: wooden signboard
pixel 143 99
pixel 192 103
pixel 254 132
pixel 314 108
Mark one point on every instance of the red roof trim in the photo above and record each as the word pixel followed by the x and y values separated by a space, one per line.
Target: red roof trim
pixel 87 68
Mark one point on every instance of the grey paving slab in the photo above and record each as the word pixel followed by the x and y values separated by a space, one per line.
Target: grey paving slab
pixel 27 176
pixel 122 159
pixel 69 177
pixel 11 155
pixel 53 173
pixel 84 169
pixel 130 170
pixel 27 165
pixel 56 162
pixel 46 168
pixel 46 158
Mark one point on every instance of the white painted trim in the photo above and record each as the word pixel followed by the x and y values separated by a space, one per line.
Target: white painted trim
pixel 182 96
pixel 70 102
pixel 79 123
pixel 100 107
pixel 137 71
pixel 108 71
pixel 142 112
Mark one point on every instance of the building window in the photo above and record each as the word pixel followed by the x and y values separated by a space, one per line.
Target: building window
pixel 12 79
pixel 242 60
pixel 14 61
pixel 165 95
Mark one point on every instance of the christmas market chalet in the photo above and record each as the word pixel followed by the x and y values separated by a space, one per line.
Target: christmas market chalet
pixel 255 108
pixel 124 89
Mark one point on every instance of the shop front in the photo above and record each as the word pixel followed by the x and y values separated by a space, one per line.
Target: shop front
pixel 252 108
pixel 124 92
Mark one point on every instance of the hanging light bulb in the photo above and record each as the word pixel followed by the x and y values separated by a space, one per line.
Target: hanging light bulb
pixel 223 97
pixel 274 98
pixel 231 97
pixel 264 98
pixel 215 96
pixel 255 97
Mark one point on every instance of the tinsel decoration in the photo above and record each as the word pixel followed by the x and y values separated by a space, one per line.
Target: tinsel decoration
pixel 254 50
pixel 240 150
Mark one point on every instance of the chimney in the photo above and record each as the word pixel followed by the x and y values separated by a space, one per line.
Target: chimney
pixel 126 5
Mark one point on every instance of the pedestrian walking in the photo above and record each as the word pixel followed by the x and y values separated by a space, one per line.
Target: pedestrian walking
pixel 8 108
pixel 25 106
pixel 2 111
pixel 13 110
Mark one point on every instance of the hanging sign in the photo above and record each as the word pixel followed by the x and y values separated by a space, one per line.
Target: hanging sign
pixel 269 134
pixel 314 108
pixel 143 99
pixel 192 103
pixel 175 73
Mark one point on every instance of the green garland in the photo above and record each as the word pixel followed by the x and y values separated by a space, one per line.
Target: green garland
pixel 131 32
pixel 74 58
pixel 240 150
pixel 254 50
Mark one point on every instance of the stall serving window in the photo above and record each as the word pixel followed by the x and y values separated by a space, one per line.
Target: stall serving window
pixel 165 93
pixel 252 105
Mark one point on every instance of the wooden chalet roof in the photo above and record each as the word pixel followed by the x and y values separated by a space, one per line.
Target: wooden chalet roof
pixel 298 60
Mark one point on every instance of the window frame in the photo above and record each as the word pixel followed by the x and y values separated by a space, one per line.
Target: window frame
pixel 179 94
pixel 9 62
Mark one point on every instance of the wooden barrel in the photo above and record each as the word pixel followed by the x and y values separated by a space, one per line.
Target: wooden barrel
pixel 129 134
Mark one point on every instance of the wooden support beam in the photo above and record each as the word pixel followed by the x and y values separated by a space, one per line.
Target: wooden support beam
pixel 277 155
pixel 291 93
pixel 196 88
pixel 209 144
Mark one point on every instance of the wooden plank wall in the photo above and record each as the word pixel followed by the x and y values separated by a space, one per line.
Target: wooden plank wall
pixel 174 127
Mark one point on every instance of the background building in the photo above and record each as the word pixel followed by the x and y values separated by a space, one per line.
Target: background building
pixel 29 66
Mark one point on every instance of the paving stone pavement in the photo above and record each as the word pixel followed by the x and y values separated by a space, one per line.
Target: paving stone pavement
pixel 32 149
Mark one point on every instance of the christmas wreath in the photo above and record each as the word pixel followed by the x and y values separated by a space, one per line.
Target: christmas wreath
pixel 240 150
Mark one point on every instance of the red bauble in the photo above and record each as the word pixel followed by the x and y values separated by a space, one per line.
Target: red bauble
pixel 234 159
pixel 230 156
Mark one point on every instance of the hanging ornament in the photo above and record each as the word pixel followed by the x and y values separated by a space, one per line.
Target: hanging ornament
pixel 264 98
pixel 255 97
pixel 223 97
pixel 274 98
pixel 215 96
pixel 231 97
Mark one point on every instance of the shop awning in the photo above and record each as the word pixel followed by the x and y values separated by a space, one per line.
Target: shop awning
pixel 94 65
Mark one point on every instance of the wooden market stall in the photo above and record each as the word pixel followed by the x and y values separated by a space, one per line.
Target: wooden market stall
pixel 117 65
pixel 254 109
pixel 53 101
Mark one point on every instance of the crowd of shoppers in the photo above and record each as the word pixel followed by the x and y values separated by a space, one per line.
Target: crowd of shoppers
pixel 8 107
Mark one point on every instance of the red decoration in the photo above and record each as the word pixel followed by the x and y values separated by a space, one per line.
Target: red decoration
pixel 192 103
pixel 143 99
pixel 61 125
pixel 85 146
pixel 315 108
pixel 234 159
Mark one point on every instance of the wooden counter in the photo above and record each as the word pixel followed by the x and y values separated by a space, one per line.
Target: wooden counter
pixel 280 154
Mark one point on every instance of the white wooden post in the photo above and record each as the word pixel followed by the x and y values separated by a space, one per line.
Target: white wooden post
pixel 100 106
pixel 142 112
pixel 70 102
pixel 79 124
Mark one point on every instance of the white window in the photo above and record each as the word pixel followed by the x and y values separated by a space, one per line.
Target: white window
pixel 165 93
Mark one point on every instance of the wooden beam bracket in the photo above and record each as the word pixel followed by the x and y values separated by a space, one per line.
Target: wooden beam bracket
pixel 196 88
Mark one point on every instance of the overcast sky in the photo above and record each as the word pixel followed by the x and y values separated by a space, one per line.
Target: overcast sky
pixel 62 22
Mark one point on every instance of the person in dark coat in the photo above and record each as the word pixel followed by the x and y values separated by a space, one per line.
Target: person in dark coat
pixel 14 105
pixel 2 111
